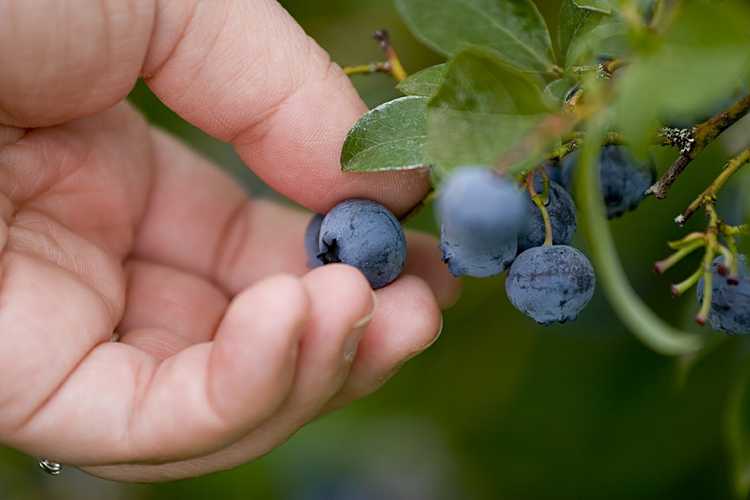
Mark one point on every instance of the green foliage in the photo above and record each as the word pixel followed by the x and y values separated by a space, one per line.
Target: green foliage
pixel 699 61
pixel 514 28
pixel 640 319
pixel 483 107
pixel 423 83
pixel 585 33
pixel 389 137
pixel 603 6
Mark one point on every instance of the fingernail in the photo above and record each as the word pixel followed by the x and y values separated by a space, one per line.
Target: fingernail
pixel 434 339
pixel 358 329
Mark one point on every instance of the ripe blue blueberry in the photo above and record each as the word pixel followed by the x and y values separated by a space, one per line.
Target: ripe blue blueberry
pixel 312 232
pixel 480 214
pixel 366 235
pixel 550 283
pixel 562 214
pixel 623 180
pixel 730 303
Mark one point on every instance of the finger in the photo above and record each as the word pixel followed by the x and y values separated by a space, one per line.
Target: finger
pixel 407 321
pixel 341 307
pixel 191 404
pixel 244 72
pixel 168 310
pixel 215 231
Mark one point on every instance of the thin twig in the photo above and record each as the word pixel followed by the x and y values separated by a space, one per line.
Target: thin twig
pixel 702 134
pixel 710 193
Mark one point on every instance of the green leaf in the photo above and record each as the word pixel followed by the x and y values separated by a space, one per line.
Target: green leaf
pixel 556 91
pixel 603 6
pixel 425 82
pixel 483 108
pixel 649 328
pixel 700 62
pixel 573 22
pixel 737 431
pixel 586 33
pixel 389 137
pixel 598 35
pixel 514 28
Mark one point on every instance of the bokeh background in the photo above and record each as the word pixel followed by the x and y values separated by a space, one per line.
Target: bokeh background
pixel 499 408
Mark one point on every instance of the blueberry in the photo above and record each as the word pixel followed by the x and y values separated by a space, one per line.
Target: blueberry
pixel 481 214
pixel 730 303
pixel 476 260
pixel 562 214
pixel 554 172
pixel 311 241
pixel 550 283
pixel 623 180
pixel 366 235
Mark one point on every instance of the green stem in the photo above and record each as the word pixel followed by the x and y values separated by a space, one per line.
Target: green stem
pixel 711 192
pixel 367 69
pixel 633 312
pixel 665 264
pixel 539 202
pixel 708 259
pixel 685 285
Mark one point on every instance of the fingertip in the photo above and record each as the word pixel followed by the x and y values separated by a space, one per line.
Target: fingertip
pixel 409 301
pixel 342 285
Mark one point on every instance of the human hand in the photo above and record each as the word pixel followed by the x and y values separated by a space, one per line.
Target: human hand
pixel 227 345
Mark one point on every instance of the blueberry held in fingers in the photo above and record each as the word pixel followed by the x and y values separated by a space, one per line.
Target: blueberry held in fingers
pixel 366 235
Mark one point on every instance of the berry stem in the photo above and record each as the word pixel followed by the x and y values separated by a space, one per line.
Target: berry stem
pixel 646 325
pixel 367 69
pixel 392 64
pixel 710 193
pixel 396 69
pixel 685 285
pixel 539 202
pixel 708 258
pixel 665 264
pixel 686 241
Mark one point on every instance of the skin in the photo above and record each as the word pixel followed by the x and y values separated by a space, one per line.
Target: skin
pixel 227 344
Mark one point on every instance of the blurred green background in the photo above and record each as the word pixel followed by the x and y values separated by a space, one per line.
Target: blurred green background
pixel 499 408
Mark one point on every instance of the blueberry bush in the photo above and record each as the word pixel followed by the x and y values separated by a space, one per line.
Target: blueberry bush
pixel 530 134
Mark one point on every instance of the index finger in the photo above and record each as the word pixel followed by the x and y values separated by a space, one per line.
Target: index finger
pixel 244 72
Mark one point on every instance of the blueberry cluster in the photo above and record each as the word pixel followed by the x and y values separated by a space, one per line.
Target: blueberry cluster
pixel 360 233
pixel 489 225
pixel 730 299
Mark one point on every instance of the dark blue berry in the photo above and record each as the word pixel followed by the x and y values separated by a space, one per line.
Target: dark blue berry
pixel 550 283
pixel 562 214
pixel 623 180
pixel 480 214
pixel 730 302
pixel 366 235
pixel 311 241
